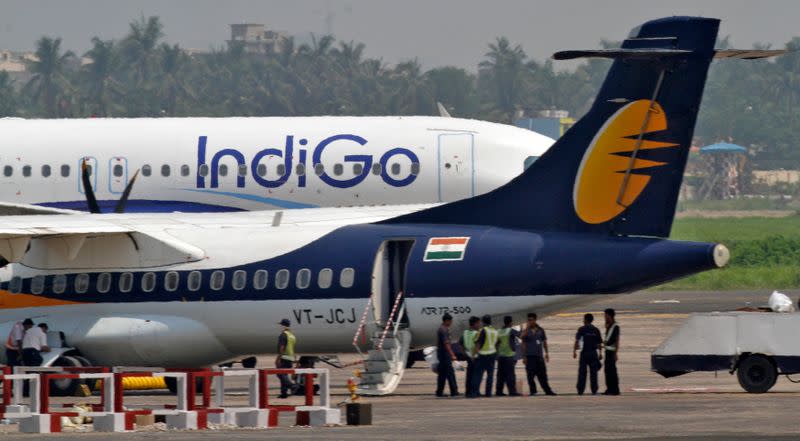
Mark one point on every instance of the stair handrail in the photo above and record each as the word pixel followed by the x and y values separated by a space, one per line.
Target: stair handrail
pixel 361 325
pixel 390 320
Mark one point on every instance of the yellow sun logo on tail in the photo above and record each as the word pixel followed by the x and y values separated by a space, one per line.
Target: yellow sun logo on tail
pixel 598 194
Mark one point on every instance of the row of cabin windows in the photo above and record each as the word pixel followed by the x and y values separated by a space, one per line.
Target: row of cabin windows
pixel 147 170
pixel 194 281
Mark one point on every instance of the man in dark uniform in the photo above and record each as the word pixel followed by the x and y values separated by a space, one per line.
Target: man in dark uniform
pixel 612 349
pixel 537 354
pixel 588 340
pixel 444 351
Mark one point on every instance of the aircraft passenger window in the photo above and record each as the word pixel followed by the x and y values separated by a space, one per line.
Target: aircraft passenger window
pixel 148 282
pixel 64 170
pixel 282 279
pixel 261 170
pixel 281 169
pixel 242 170
pixel 325 278
pixel 146 170
pixel 165 170
pixel 358 168
pixel 347 277
pixel 81 283
pixel 125 282
pixel 26 171
pixel 59 283
pixel 185 170
pixel 118 170
pixel 376 169
pixel 203 170
pixel 528 161
pixel 239 280
pixel 338 169
pixel 319 169
pixel 194 281
pixel 217 280
pixel 16 285
pixel 103 282
pixel 8 171
pixel 300 169
pixel 46 171
pixel 415 168
pixel 37 285
pixel 303 278
pixel 171 281
pixel 260 279
pixel 223 170
pixel 396 168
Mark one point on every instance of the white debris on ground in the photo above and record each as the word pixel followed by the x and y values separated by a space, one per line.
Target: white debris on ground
pixel 665 301
pixel 780 302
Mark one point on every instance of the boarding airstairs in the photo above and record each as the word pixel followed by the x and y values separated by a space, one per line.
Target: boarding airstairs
pixel 385 361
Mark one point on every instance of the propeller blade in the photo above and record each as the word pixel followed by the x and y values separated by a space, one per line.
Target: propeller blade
pixel 91 200
pixel 120 208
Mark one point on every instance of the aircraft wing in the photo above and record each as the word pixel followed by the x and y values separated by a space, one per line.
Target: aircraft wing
pixel 12 209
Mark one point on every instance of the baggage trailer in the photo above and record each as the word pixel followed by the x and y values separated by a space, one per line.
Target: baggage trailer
pixel 757 346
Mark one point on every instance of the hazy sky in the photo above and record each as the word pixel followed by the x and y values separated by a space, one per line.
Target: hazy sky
pixel 437 32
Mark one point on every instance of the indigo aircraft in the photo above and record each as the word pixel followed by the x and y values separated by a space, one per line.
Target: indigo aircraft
pixel 233 164
pixel 590 217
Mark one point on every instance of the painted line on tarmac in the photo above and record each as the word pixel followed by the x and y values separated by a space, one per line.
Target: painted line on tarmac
pixel 667 390
pixel 636 314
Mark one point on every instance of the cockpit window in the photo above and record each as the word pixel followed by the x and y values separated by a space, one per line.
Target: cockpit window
pixel 529 160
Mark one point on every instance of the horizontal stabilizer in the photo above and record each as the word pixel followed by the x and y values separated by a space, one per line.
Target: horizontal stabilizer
pixel 650 53
pixel 748 54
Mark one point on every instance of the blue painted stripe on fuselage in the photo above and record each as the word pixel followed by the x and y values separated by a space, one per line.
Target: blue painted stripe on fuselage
pixel 497 263
pixel 144 206
pixel 280 203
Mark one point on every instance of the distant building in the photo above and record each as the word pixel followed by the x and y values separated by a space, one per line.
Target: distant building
pixel 552 123
pixel 256 39
pixel 15 62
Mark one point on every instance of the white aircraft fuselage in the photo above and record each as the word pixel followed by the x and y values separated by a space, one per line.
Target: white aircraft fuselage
pixel 232 164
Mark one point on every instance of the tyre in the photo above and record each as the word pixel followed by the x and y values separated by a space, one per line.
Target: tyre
pixel 65 387
pixel 172 385
pixel 249 362
pixel 85 363
pixel 757 374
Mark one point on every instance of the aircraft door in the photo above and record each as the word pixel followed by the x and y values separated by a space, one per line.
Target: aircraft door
pixel 389 276
pixel 456 166
pixel 117 174
pixel 91 161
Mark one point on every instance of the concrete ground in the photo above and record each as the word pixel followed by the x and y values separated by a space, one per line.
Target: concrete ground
pixel 701 406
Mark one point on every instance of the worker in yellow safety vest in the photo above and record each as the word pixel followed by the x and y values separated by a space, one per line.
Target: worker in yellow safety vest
pixel 286 356
pixel 506 358
pixel 468 345
pixel 486 349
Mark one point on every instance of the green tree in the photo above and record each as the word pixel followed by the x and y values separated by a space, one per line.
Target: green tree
pixel 102 89
pixel 503 72
pixel 49 83
pixel 8 96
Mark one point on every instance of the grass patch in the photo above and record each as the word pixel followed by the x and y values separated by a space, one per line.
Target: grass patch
pixel 765 253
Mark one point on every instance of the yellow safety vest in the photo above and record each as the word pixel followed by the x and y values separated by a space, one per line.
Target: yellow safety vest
pixel 288 351
pixel 490 342
pixel 470 335
pixel 504 343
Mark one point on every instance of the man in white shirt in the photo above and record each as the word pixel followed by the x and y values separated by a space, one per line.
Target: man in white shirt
pixel 33 344
pixel 14 342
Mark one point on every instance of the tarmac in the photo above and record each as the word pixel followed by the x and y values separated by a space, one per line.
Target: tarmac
pixel 698 406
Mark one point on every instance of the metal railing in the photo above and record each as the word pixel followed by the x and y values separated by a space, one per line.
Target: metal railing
pixel 391 320
pixel 362 326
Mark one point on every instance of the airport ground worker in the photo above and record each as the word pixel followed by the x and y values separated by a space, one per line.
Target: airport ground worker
pixel 14 342
pixel 611 344
pixel 467 341
pixel 486 350
pixel 286 356
pixel 444 351
pixel 537 355
pixel 33 344
pixel 589 341
pixel 506 358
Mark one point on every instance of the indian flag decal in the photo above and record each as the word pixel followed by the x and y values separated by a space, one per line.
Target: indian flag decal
pixel 442 249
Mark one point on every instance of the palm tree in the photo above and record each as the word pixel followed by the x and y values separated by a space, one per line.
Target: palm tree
pixel 8 97
pixel 49 82
pixel 141 46
pixel 102 88
pixel 504 71
pixel 173 90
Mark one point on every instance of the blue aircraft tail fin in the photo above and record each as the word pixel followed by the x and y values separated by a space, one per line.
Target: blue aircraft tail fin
pixel 619 169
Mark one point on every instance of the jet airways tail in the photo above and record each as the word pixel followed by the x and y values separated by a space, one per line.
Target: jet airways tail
pixel 619 169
